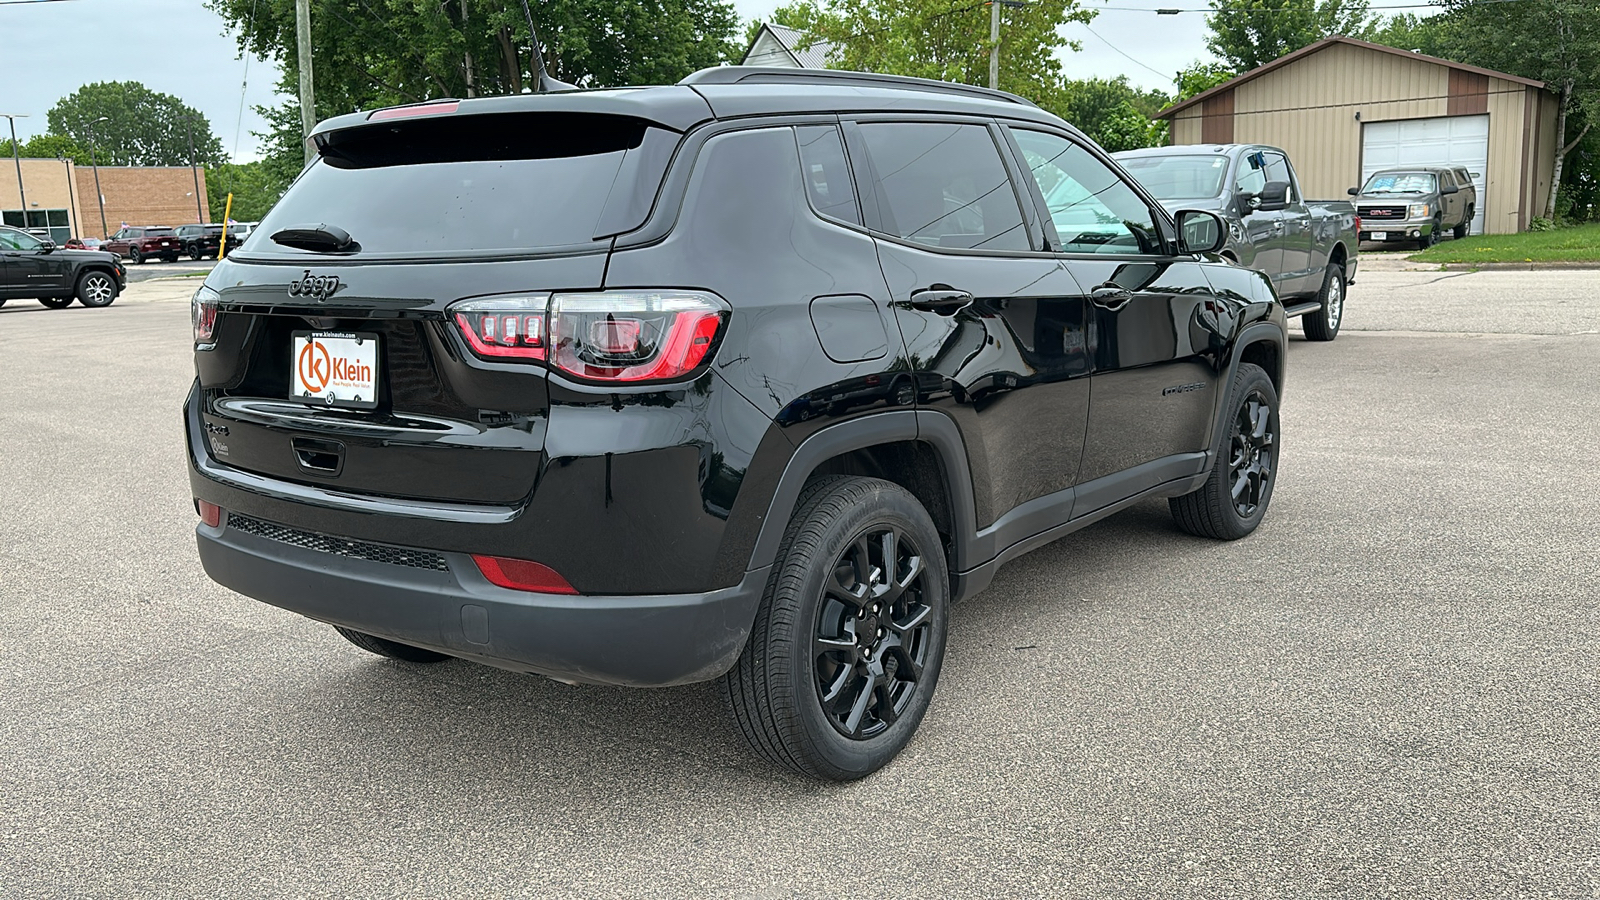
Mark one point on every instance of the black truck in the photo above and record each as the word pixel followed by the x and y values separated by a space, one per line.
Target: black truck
pixel 1307 247
pixel 35 268
pixel 803 358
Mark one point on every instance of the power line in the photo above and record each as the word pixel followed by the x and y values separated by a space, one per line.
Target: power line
pixel 1173 11
pixel 1124 55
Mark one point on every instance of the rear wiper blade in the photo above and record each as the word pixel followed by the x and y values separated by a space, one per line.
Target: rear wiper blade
pixel 320 238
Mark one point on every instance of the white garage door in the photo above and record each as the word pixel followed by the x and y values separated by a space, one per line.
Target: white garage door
pixel 1445 141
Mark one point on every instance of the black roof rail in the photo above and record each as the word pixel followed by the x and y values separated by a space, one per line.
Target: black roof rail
pixel 842 78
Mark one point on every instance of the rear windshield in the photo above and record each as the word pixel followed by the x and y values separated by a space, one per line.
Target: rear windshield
pixel 459 184
pixel 157 232
pixel 1187 177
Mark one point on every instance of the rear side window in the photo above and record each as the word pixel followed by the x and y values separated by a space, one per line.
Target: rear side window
pixel 943 185
pixel 461 184
pixel 827 174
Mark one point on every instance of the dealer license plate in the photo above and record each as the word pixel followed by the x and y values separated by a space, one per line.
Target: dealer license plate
pixel 334 368
pixel 1380 235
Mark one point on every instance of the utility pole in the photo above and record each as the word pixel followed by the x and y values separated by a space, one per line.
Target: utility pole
pixel 994 45
pixel 465 36
pixel 16 157
pixel 308 103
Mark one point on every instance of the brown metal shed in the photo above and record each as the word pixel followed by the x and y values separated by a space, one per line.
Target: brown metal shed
pixel 1343 108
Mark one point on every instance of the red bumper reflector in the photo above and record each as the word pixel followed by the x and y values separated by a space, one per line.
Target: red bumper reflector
pixel 522 575
pixel 210 513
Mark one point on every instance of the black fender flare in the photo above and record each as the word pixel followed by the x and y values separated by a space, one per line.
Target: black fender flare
pixel 938 431
pixel 1270 331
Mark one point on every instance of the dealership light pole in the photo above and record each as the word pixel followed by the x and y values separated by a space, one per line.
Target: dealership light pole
pixel 16 157
pixel 994 38
pixel 94 162
pixel 188 130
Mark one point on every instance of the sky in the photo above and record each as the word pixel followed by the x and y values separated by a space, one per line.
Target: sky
pixel 50 48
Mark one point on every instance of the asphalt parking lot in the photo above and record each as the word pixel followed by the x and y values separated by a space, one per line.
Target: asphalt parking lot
pixel 1390 690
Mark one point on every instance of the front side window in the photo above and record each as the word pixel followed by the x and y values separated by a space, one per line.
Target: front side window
pixel 944 185
pixel 827 174
pixel 1252 174
pixel 1092 208
pixel 11 239
pixel 1278 171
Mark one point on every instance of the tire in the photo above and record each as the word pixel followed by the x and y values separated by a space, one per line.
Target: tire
pixel 96 289
pixel 1212 511
pixel 804 646
pixel 56 302
pixel 390 649
pixel 1323 323
pixel 135 257
pixel 195 252
pixel 1466 224
pixel 1432 237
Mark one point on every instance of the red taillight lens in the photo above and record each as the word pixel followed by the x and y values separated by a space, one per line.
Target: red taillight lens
pixel 504 326
pixel 437 107
pixel 203 313
pixel 634 336
pixel 522 575
pixel 1358 225
pixel 210 513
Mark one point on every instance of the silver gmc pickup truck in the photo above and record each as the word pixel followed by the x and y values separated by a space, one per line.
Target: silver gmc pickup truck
pixel 1307 247
pixel 1418 203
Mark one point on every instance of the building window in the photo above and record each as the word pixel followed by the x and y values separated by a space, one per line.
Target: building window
pixel 53 220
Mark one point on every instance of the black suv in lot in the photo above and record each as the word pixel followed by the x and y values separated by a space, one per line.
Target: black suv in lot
pixel 34 267
pixel 746 378
pixel 201 241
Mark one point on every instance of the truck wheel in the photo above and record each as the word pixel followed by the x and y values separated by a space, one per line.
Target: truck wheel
pixel 1323 323
pixel 847 644
pixel 1244 467
pixel 96 289
pixel 56 302
pixel 1466 224
pixel 391 649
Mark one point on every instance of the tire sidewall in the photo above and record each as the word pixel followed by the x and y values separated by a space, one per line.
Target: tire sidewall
pixel 856 758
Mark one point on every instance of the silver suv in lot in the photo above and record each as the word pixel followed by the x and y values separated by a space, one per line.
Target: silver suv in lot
pixel 1416 204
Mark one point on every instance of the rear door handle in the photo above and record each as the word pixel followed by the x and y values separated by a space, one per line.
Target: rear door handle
pixel 1111 296
pixel 941 298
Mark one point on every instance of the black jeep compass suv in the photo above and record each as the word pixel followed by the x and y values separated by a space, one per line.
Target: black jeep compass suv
pixel 746 378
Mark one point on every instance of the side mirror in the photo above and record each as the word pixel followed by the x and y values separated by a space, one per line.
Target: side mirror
pixel 48 246
pixel 1449 189
pixel 1201 232
pixel 1247 203
pixel 1354 192
pixel 1274 196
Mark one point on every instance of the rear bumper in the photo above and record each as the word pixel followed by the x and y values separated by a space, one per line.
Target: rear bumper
pixel 623 640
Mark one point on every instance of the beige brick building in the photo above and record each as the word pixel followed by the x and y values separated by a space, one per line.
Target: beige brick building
pixel 61 197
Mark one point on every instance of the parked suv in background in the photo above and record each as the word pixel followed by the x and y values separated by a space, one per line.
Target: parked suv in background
pixel 747 379
pixel 1415 204
pixel 200 241
pixel 140 242
pixel 35 268
pixel 1308 248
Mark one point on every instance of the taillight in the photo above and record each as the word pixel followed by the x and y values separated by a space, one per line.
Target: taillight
pixel 522 575
pixel 210 513
pixel 634 335
pixel 611 337
pixel 504 326
pixel 203 314
pixel 1358 225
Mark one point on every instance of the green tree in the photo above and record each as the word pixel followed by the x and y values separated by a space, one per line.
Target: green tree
pixel 1554 41
pixel 1250 33
pixel 373 53
pixel 254 186
pixel 947 40
pixel 50 146
pixel 142 127
pixel 1117 115
pixel 1199 78
pixel 1432 35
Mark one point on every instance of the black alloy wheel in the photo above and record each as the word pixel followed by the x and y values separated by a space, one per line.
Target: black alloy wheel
pixel 845 651
pixel 872 633
pixel 1250 454
pixel 1244 463
pixel 136 257
pixel 195 253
